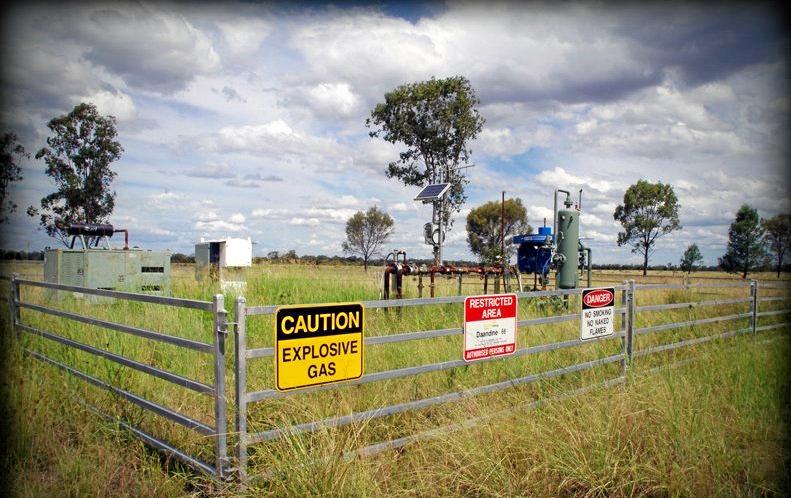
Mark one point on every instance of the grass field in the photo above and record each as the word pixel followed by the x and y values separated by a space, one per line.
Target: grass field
pixel 713 427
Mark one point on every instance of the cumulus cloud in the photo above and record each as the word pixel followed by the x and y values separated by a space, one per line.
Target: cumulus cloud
pixel 243 36
pixel 113 103
pixel 312 222
pixel 275 138
pixel 333 98
pixel 174 51
pixel 271 101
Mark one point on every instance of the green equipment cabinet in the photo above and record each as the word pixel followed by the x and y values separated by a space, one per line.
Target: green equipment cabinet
pixel 131 270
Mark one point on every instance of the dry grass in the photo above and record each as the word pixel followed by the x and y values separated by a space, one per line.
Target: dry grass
pixel 710 428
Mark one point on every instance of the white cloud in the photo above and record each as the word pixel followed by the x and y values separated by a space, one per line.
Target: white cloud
pixel 333 98
pixel 562 178
pixel 278 139
pixel 215 226
pixel 243 36
pixel 117 104
pixel 312 222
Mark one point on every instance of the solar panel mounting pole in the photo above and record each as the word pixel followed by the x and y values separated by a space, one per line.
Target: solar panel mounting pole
pixel 440 234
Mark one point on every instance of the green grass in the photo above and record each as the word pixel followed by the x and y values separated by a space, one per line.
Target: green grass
pixel 559 451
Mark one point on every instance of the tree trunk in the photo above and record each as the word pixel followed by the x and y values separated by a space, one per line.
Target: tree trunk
pixel 365 264
pixel 645 263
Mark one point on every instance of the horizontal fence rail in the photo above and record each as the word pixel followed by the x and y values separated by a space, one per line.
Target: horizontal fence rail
pixel 127 296
pixel 429 334
pixel 628 310
pixel 133 398
pixel 121 360
pixel 706 321
pixel 243 355
pixel 427 402
pixel 147 334
pixel 216 391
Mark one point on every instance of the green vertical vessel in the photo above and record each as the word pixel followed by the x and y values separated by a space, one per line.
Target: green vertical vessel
pixel 567 243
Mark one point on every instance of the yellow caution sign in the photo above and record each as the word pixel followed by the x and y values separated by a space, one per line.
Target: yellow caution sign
pixel 318 344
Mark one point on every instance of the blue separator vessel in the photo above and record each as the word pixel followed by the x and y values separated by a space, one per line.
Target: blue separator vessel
pixel 535 252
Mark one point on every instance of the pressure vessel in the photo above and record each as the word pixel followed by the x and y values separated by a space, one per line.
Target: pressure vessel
pixel 568 247
pixel 91 229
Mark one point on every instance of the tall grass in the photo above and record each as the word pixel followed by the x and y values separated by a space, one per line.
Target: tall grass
pixel 309 463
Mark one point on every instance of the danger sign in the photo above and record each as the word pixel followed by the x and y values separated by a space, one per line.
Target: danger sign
pixel 598 313
pixel 318 344
pixel 489 326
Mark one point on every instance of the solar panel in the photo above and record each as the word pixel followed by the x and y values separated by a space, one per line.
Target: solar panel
pixel 433 192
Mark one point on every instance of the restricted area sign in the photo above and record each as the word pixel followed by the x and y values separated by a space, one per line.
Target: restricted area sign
pixel 598 313
pixel 318 344
pixel 489 326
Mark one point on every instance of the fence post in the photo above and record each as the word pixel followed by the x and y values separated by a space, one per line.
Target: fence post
pixel 221 425
pixel 13 298
pixel 240 347
pixel 624 339
pixel 630 315
pixel 754 303
pixel 460 274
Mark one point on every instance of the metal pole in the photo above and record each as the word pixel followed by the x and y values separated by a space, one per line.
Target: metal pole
pixel 240 350
pixel 13 299
pixel 221 425
pixel 630 312
pixel 502 232
pixel 590 256
pixel 754 297
pixel 439 235
pixel 624 340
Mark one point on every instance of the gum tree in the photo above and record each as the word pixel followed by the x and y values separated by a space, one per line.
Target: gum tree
pixel 691 257
pixel 778 237
pixel 434 120
pixel 80 149
pixel 484 227
pixel 649 211
pixel 11 153
pixel 746 249
pixel 366 232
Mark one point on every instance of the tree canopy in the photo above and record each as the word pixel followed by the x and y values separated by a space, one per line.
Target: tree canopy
pixel 746 249
pixel 79 152
pixel 435 120
pixel 484 228
pixel 11 153
pixel 691 258
pixel 366 232
pixel 649 211
pixel 778 237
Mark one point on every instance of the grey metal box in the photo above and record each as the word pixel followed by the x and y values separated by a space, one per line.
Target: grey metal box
pixel 131 270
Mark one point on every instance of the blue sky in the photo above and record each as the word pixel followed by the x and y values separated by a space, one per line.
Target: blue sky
pixel 248 119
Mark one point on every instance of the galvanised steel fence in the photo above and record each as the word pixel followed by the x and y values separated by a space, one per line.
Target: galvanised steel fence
pixel 631 340
pixel 628 333
pixel 218 431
